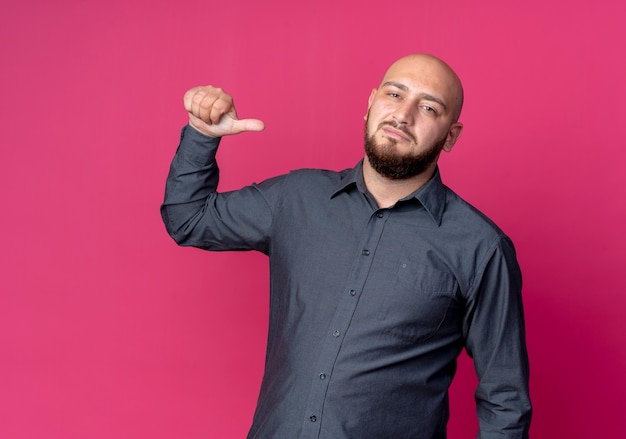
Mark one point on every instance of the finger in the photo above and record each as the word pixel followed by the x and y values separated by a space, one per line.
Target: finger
pixel 242 125
pixel 188 98
pixel 207 103
pixel 195 101
pixel 218 107
pixel 204 104
pixel 194 97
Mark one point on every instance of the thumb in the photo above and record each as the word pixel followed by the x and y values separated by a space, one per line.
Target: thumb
pixel 241 125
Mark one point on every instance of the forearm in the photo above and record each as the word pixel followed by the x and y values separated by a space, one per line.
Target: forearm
pixel 192 179
pixel 503 404
pixel 496 341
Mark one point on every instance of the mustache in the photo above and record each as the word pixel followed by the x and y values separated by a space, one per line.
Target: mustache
pixel 398 127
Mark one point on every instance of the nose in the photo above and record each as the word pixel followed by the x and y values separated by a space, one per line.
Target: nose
pixel 403 114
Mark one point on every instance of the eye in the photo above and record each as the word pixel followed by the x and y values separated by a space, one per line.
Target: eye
pixel 429 109
pixel 394 95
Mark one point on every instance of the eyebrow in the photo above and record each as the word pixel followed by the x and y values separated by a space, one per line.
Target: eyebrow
pixel 426 96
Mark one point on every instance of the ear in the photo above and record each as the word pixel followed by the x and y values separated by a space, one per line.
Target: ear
pixel 453 134
pixel 369 101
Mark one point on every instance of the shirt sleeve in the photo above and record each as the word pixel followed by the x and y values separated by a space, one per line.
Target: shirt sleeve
pixel 195 214
pixel 495 339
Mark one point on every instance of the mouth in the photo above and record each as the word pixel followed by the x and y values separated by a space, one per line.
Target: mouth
pixel 396 134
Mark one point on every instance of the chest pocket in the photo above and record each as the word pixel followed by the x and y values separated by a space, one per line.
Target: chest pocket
pixel 418 301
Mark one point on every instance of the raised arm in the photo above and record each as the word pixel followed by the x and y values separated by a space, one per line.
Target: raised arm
pixel 193 212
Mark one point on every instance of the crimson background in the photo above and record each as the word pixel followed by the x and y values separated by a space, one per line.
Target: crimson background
pixel 108 330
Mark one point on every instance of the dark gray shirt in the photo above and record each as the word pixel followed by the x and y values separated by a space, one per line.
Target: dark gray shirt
pixel 369 307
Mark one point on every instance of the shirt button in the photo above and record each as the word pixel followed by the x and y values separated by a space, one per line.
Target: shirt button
pixel 352 293
pixel 366 252
pixel 322 376
pixel 380 214
pixel 313 418
pixel 336 333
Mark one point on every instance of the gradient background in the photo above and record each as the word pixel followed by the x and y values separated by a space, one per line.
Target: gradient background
pixel 109 330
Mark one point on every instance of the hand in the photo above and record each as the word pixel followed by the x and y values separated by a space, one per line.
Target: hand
pixel 212 112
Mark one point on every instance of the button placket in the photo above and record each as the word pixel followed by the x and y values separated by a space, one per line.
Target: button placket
pixel 340 324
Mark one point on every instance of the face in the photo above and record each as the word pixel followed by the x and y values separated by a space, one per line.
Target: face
pixel 412 116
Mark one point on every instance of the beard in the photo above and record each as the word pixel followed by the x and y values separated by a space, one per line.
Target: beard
pixel 388 162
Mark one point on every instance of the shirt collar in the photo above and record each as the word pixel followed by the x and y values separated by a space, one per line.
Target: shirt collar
pixel 432 196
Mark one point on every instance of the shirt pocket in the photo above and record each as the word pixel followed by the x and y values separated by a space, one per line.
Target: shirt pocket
pixel 418 301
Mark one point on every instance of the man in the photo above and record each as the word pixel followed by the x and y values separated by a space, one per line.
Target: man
pixel 380 274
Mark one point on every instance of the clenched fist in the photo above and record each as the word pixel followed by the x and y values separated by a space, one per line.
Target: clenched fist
pixel 212 112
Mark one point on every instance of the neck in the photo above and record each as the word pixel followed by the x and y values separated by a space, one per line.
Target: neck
pixel 386 191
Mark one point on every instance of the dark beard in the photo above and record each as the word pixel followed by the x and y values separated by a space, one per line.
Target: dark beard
pixel 392 165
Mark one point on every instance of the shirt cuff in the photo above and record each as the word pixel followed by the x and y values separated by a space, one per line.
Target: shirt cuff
pixel 197 146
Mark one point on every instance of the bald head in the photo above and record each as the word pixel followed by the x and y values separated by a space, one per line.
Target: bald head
pixel 433 72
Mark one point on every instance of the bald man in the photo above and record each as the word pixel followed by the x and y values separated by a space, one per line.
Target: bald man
pixel 380 274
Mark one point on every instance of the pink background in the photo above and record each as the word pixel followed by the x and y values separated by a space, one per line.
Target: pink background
pixel 108 330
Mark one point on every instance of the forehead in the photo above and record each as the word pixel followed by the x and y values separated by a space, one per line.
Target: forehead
pixel 424 75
